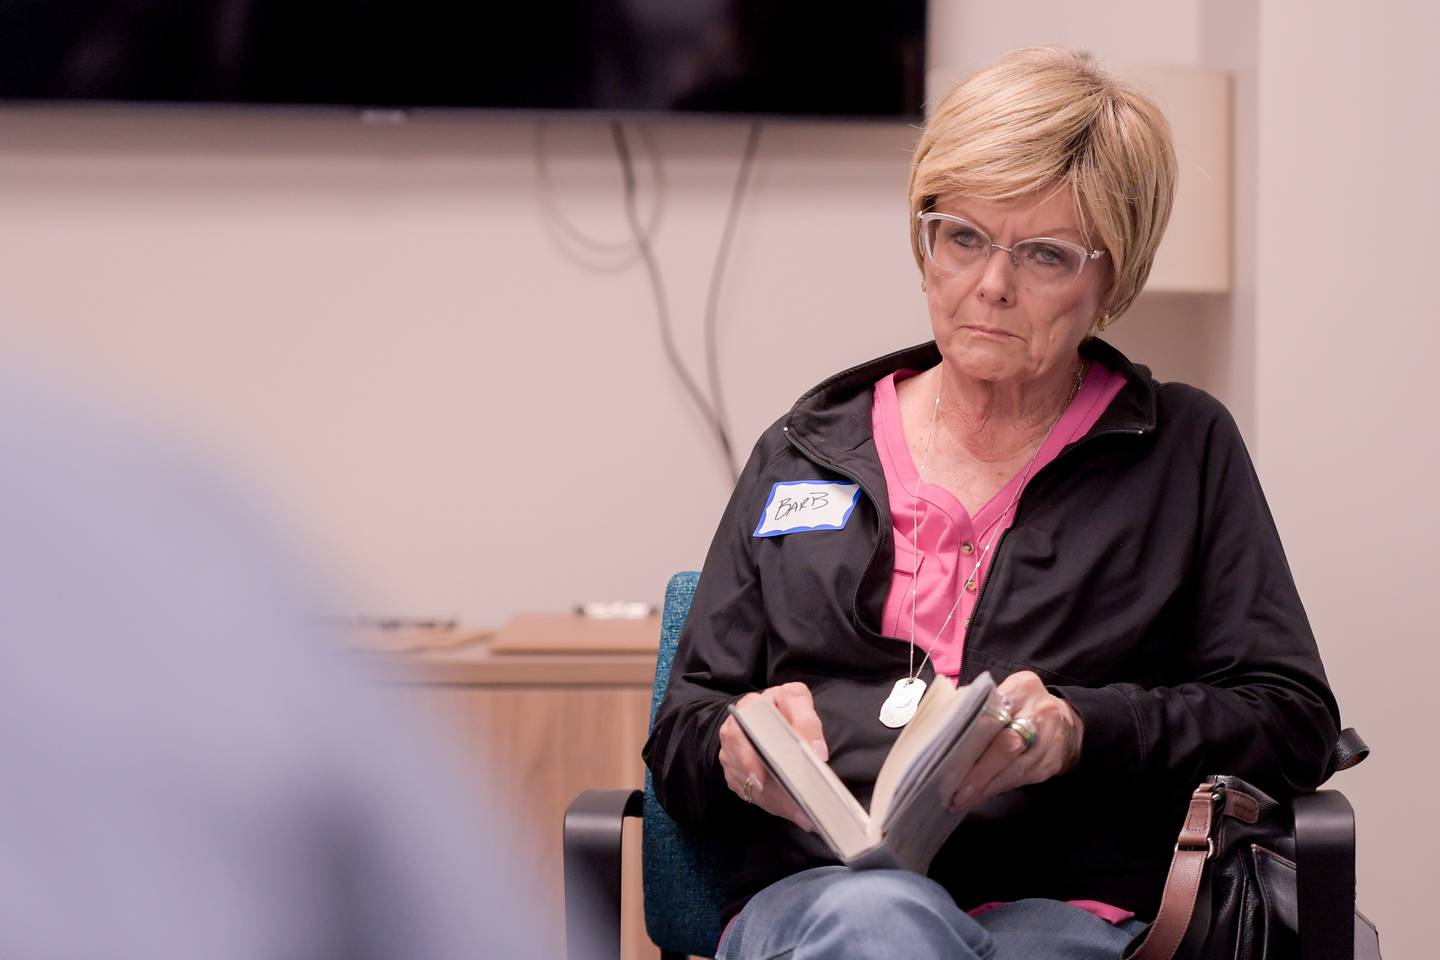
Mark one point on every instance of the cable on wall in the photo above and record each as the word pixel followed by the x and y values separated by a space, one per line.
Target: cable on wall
pixel 662 309
pixel 600 253
pixel 717 277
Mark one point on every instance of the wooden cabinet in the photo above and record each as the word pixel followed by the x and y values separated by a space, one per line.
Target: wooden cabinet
pixel 547 726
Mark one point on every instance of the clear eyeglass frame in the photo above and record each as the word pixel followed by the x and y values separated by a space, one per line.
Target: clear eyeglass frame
pixel 1025 255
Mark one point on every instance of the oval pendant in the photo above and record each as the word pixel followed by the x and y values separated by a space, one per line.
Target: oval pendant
pixel 904 699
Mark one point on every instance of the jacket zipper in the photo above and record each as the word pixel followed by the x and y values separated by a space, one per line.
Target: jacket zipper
pixel 832 465
pixel 1000 544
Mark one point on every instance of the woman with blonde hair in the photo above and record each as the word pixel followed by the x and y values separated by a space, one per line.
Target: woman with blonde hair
pixel 1019 498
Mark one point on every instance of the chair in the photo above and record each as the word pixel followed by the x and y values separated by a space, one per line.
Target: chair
pixel 680 873
pixel 682 881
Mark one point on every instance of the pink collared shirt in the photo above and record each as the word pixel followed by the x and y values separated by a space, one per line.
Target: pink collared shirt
pixel 952 541
pixel 939 545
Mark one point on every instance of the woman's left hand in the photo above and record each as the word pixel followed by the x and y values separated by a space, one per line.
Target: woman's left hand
pixel 1007 763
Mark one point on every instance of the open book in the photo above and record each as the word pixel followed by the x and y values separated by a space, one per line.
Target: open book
pixel 908 819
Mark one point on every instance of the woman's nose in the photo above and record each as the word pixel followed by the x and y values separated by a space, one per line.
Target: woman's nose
pixel 997 278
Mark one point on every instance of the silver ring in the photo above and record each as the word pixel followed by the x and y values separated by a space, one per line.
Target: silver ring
pixel 748 784
pixel 1025 727
pixel 1001 714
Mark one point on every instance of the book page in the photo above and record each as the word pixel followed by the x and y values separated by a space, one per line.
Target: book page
pixel 793 765
pixel 943 715
pixel 919 820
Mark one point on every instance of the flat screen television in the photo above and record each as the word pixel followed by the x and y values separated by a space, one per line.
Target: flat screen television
pixel 770 57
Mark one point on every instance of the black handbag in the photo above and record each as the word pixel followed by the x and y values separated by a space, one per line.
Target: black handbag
pixel 1232 890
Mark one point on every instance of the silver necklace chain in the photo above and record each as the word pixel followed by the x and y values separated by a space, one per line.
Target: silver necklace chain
pixel 989 531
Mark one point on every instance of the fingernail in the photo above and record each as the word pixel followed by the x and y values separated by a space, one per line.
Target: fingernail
pixel 821 751
pixel 805 824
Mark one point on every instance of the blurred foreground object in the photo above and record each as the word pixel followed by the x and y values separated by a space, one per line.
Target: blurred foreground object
pixel 189 772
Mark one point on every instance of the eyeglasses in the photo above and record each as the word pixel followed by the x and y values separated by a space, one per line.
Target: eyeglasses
pixel 1041 263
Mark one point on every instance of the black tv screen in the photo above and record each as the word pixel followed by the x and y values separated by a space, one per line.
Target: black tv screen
pixel 782 57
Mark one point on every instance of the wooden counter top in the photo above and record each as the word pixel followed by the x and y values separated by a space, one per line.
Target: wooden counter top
pixel 537 650
pixel 478 666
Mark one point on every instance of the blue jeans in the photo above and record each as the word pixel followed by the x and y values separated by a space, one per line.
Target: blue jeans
pixel 834 912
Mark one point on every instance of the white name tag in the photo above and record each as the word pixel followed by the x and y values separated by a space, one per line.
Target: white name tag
pixel 796 506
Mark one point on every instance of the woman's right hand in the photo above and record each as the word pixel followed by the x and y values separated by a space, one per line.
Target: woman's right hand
pixel 741 763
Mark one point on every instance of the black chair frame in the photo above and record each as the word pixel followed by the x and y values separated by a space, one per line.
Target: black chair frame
pixel 595 823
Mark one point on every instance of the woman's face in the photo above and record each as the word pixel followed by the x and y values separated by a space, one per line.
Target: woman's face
pixel 991 324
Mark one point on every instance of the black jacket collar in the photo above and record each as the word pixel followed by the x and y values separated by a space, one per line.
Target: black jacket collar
pixel 832 420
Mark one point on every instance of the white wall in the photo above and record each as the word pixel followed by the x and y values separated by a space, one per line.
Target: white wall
pixel 1346 360
pixel 375 325
pixel 379 327
pixel 965 36
pixel 1229 40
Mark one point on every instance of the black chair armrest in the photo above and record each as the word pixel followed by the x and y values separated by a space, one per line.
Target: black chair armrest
pixel 1325 875
pixel 594 823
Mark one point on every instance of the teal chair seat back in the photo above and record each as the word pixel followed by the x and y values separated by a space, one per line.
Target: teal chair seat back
pixel 684 890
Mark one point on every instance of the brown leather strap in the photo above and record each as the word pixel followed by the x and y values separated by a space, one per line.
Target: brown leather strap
pixel 1187 868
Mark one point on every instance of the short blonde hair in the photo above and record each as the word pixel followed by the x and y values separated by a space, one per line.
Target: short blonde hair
pixel 1038 118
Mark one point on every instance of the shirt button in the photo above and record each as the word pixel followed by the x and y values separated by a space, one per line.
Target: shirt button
pixel 967 548
pixel 970 584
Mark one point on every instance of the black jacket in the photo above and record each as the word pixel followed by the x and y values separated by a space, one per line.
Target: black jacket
pixel 1142 579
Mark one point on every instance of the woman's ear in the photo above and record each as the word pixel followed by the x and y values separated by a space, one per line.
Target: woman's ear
pixel 1102 317
pixel 1107 299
